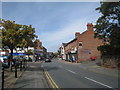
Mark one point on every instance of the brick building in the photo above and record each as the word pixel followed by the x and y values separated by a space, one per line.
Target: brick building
pixel 40 51
pixel 71 50
pixel 83 46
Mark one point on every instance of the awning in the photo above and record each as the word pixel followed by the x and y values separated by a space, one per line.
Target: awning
pixel 18 54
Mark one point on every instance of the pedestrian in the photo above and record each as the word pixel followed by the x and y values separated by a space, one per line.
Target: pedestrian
pixel 73 58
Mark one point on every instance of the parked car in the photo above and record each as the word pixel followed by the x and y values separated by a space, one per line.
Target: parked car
pixel 47 60
pixel 16 60
pixel 1 59
pixel 4 61
pixel 92 58
pixel 28 59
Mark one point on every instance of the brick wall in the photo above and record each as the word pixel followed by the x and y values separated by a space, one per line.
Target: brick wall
pixel 85 43
pixel 89 43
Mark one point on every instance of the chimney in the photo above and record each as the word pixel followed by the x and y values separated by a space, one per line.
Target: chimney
pixel 90 26
pixel 77 34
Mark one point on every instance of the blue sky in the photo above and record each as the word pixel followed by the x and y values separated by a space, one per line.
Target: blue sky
pixel 55 22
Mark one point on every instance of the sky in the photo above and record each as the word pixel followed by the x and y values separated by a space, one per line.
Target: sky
pixel 55 22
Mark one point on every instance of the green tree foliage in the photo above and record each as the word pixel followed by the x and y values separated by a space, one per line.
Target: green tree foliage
pixel 28 35
pixel 10 33
pixel 10 36
pixel 16 35
pixel 108 27
pixel 36 43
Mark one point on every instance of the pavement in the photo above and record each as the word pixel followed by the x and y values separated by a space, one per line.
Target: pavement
pixel 9 77
pixel 32 77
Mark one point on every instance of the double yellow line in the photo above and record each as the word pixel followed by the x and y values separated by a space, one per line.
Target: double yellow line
pixel 51 81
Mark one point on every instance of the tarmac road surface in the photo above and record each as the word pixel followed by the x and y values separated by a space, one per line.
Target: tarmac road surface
pixel 68 75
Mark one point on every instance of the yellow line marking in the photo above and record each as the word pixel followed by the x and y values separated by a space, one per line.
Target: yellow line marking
pixel 53 84
pixel 49 80
pixel 52 80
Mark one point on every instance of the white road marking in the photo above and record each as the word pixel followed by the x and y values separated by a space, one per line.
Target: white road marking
pixel 71 71
pixel 98 82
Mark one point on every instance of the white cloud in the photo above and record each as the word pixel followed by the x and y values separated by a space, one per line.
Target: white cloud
pixel 63 35
pixel 65 32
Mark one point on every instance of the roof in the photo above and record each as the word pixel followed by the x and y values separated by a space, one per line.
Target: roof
pixel 82 34
pixel 64 44
pixel 71 41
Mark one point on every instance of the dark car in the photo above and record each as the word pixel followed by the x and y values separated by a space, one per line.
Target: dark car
pixel 16 60
pixel 47 60
pixel 4 61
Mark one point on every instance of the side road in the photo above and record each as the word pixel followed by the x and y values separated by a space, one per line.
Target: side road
pixel 94 66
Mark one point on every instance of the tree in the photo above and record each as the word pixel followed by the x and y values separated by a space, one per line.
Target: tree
pixel 10 36
pixel 36 43
pixel 28 36
pixel 108 27
pixel 16 35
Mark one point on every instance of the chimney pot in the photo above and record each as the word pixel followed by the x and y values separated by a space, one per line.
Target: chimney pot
pixel 77 34
pixel 90 26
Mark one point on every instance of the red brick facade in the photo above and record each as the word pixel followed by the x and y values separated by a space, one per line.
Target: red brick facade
pixel 84 45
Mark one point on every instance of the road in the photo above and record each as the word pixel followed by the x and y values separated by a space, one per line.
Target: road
pixel 67 75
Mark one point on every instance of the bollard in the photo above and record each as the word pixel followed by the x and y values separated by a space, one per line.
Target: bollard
pixel 24 65
pixel 2 78
pixel 15 70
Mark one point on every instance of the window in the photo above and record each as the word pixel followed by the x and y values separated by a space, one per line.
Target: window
pixel 80 44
